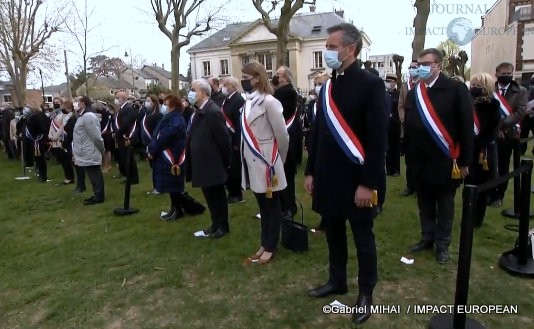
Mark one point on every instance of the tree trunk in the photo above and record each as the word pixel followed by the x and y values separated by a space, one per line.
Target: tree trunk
pixel 175 70
pixel 19 85
pixel 281 45
pixel 419 23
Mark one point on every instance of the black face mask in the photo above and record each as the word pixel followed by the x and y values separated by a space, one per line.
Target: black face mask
pixel 505 79
pixel 247 86
pixel 275 81
pixel 161 101
pixel 64 111
pixel 476 92
pixel 56 106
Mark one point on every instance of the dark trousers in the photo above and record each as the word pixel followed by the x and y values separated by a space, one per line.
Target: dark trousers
pixel 97 181
pixel 436 213
pixel 80 177
pixel 287 196
pixel 336 237
pixel 527 125
pixel 40 164
pixel 13 149
pixel 29 152
pixel 10 154
pixel 65 159
pixel 409 173
pixel 125 160
pixel 505 148
pixel 393 152
pixel 218 205
pixel 271 212
pixel 233 183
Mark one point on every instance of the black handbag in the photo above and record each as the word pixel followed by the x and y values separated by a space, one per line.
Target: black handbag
pixel 294 234
pixel 191 205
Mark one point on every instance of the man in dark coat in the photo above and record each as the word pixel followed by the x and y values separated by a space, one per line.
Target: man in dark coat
pixel 217 95
pixel 439 163
pixel 36 135
pixel 515 98
pixel 231 109
pixel 7 116
pixel 209 153
pixel 287 95
pixel 342 181
pixel 126 135
pixel 393 150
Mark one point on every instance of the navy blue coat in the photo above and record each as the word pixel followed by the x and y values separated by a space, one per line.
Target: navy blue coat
pixel 170 134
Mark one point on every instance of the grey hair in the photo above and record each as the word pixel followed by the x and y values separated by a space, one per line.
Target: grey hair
pixel 204 85
pixel 351 35
pixel 232 81
pixel 287 73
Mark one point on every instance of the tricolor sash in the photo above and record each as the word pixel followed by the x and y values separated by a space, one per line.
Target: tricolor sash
pixel 340 129
pixel 175 165
pixel 55 125
pixel 106 129
pixel 254 146
pixel 145 128
pixel 436 128
pixel 130 134
pixel 229 123
pixel 35 140
pixel 506 109
pixel 290 120
pixel 476 124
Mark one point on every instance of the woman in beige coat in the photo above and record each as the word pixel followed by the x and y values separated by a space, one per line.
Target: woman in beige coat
pixel 264 149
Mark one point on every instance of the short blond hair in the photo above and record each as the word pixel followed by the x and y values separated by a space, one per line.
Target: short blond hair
pixel 485 80
pixel 323 76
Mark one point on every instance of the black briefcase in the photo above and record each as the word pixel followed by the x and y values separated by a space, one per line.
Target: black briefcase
pixel 294 234
pixel 191 205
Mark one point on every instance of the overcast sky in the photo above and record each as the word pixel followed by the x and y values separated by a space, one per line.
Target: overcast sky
pixel 120 25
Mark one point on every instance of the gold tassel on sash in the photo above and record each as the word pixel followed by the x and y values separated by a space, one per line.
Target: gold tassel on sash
pixel 485 164
pixel 456 174
pixel 175 170
pixel 36 148
pixel 274 181
pixel 374 199
pixel 269 193
pixel 481 158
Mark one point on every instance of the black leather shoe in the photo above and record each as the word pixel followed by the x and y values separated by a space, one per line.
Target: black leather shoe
pixel 442 256
pixel 217 234
pixel 235 199
pixel 79 189
pixel 174 214
pixel 407 192
pixel 420 246
pixel 327 290
pixel 210 230
pixel 92 201
pixel 363 309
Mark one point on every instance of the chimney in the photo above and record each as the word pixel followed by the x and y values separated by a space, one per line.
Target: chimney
pixel 482 18
pixel 312 9
pixel 163 66
pixel 340 13
pixel 155 64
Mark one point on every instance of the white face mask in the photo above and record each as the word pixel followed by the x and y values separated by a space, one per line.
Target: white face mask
pixel 318 89
pixel 164 109
pixel 224 91
pixel 116 101
pixel 76 106
pixel 148 105
pixel 25 111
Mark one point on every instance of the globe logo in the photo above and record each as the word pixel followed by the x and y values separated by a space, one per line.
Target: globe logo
pixel 460 31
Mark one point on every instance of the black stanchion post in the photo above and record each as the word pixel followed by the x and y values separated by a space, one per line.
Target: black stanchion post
pixel 514 213
pixel 517 261
pixel 126 210
pixel 459 319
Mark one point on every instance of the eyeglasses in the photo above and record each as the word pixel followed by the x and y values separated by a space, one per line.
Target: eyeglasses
pixel 425 63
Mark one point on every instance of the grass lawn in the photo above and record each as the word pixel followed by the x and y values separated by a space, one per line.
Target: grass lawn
pixel 64 265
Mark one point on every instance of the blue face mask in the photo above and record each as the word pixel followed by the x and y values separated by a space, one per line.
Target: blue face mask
pixel 163 109
pixel 413 73
pixel 425 72
pixel 331 59
pixel 192 97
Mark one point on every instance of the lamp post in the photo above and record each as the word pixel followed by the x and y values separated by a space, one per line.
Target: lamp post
pixel 131 66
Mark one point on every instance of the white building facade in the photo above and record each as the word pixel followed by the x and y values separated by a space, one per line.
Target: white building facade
pixel 227 51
